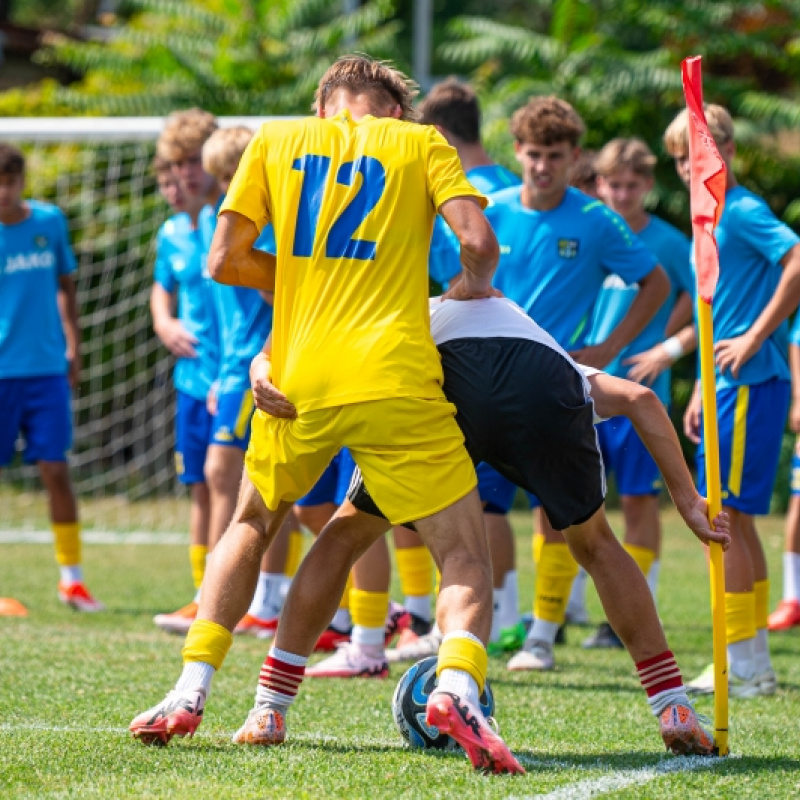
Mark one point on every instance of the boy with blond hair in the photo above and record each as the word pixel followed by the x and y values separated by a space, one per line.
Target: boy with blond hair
pixel 758 288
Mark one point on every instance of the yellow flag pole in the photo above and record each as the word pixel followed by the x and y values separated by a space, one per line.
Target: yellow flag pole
pixel 713 487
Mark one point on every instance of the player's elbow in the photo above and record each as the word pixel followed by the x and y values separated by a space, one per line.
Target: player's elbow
pixel 482 246
pixel 657 284
pixel 218 263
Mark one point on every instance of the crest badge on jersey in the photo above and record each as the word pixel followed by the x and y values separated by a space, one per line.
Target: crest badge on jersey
pixel 568 248
pixel 40 241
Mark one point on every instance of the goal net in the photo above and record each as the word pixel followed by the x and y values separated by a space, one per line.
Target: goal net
pixel 98 171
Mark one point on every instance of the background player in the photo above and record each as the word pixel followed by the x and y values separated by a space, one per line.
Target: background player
pixel 352 349
pixel 40 360
pixel 758 287
pixel 624 179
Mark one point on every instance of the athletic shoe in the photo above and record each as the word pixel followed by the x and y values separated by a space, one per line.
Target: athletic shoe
pixel 255 626
pixel 683 733
pixel 761 685
pixel 576 615
pixel 350 661
pixel 178 714
pixel 9 607
pixel 330 639
pixel 415 649
pixel 785 616
pixel 603 638
pixel 177 621
pixel 510 640
pixel 77 596
pixel 398 619
pixel 535 655
pixel 458 718
pixel 263 726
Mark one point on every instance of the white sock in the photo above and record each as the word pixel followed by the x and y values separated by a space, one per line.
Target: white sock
pixel 368 637
pixel 576 604
pixel 543 631
pixel 286 584
pixel 761 651
pixel 71 574
pixel 197 595
pixel 652 578
pixel 509 604
pixel 419 605
pixel 271 698
pixel 195 675
pixel 497 598
pixel 791 576
pixel 741 656
pixel 658 702
pixel 269 583
pixel 342 620
pixel 460 683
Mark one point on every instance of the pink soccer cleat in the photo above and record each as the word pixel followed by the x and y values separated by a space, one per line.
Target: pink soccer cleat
pixel 178 714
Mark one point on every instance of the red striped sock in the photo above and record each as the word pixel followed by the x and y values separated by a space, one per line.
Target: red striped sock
pixel 279 681
pixel 659 674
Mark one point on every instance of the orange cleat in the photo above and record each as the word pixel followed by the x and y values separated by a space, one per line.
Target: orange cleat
pixel 177 621
pixel 77 596
pixel 178 714
pixel 682 732
pixel 263 726
pixel 785 616
pixel 255 626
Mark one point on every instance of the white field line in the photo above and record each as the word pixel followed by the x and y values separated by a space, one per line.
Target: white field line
pixel 615 780
pixel 97 537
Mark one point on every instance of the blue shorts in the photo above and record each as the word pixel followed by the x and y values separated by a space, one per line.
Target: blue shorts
pixel 333 483
pixel 40 408
pixel 625 455
pixel 794 474
pixel 751 424
pixel 496 492
pixel 231 424
pixel 192 437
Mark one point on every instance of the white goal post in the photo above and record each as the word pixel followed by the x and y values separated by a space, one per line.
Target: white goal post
pixel 98 171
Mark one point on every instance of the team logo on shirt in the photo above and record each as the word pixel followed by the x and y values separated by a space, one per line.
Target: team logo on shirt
pixel 568 248
pixel 40 241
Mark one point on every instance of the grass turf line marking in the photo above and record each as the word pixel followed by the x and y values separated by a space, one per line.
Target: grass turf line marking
pixel 97 537
pixel 618 779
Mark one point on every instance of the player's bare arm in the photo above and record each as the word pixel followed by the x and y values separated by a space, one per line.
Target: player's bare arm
pixel 167 327
pixel 732 354
pixel 646 366
pixel 232 259
pixel 480 251
pixel 619 397
pixel 653 291
pixel 68 309
pixel 794 366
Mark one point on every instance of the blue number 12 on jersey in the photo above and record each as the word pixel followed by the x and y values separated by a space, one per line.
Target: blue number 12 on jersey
pixel 340 242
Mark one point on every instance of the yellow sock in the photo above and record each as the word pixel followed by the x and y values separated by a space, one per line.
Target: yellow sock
pixel 538 544
pixel 761 589
pixel 368 609
pixel 643 556
pixel 555 572
pixel 294 554
pixel 469 655
pixel 740 616
pixel 415 568
pixel 197 558
pixel 207 642
pixel 345 601
pixel 67 540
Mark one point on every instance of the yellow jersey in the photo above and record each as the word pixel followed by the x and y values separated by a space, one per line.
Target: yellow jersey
pixel 352 204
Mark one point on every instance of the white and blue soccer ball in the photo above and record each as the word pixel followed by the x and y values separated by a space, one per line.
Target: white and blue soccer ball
pixel 410 701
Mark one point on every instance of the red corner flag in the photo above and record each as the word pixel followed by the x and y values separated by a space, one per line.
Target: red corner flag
pixel 708 181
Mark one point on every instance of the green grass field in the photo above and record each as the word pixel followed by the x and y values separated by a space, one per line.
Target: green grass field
pixel 70 684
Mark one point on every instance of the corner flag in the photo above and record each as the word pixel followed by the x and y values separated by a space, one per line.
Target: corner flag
pixel 707 192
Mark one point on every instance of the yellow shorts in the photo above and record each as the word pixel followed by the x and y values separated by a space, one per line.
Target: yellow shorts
pixel 410 452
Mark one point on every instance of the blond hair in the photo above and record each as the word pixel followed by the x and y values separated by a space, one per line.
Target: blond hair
pixel 223 150
pixel 619 154
pixel 185 132
pixel 547 121
pixel 676 136
pixel 357 74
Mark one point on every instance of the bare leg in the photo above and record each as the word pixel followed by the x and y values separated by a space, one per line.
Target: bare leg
pixel 232 571
pixel 621 586
pixel 321 578
pixel 223 469
pixel 457 541
pixel 55 476
pixel 373 571
pixel 315 517
pixel 642 523
pixel 501 545
pixel 739 573
pixel 199 514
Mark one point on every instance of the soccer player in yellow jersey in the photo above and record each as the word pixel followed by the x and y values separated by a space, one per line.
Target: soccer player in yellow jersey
pixel 352 195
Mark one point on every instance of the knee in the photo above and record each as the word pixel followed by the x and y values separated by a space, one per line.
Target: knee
pixel 55 476
pixel 221 476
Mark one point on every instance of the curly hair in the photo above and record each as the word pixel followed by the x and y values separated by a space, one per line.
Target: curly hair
pixel 547 121
pixel 619 154
pixel 185 132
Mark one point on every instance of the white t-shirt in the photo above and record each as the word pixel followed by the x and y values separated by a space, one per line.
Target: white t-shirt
pixel 494 317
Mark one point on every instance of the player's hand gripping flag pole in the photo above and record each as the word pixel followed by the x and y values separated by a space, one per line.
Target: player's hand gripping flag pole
pixel 707 194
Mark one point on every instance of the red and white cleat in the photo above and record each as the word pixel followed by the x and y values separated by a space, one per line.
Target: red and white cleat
pixel 785 616
pixel 177 621
pixel 682 732
pixel 350 661
pixel 466 724
pixel 263 726
pixel 255 626
pixel 178 714
pixel 77 596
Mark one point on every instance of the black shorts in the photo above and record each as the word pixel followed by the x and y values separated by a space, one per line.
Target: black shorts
pixel 523 409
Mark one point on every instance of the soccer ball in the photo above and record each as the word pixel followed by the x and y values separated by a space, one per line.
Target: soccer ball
pixel 409 702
